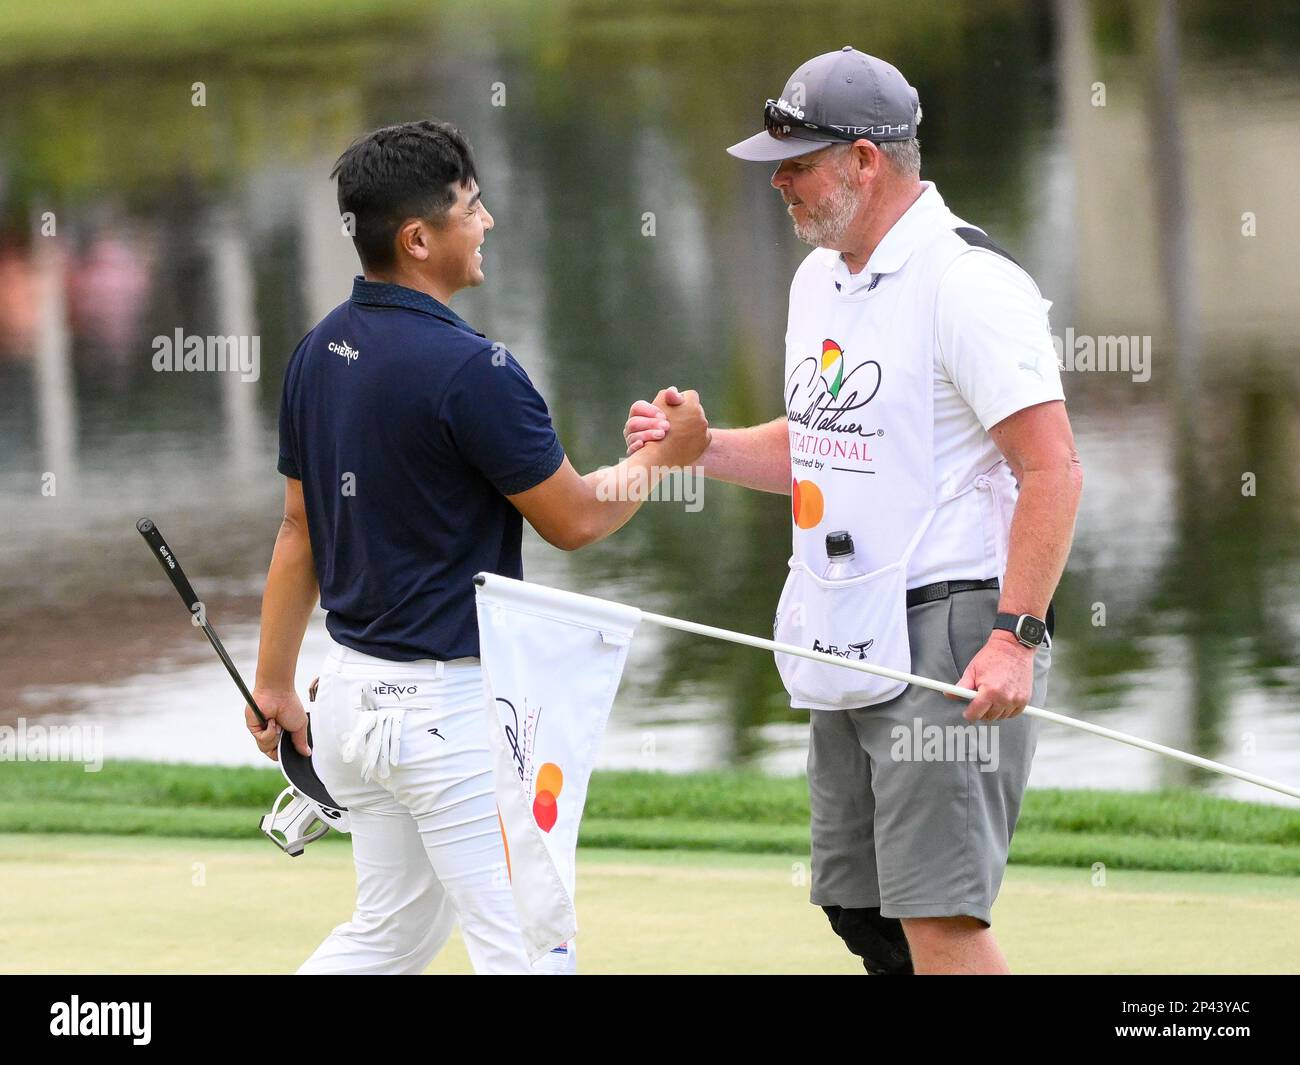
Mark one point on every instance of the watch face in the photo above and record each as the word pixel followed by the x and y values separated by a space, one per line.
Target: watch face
pixel 1031 630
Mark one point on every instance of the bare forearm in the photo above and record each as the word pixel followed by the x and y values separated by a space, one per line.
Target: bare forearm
pixel 617 492
pixel 287 604
pixel 755 457
pixel 1041 532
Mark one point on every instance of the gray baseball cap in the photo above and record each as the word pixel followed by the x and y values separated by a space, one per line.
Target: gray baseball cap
pixel 835 98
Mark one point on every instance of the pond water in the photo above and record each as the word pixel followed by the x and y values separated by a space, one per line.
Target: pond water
pixel 1142 171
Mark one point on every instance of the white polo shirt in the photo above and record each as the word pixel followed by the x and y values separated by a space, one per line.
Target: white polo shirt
pixel 991 353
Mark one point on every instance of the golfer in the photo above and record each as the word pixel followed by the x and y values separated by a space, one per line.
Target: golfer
pixel 406 472
pixel 934 485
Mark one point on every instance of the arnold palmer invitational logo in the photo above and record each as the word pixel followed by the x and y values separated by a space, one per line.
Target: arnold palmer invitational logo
pixel 823 401
pixel 823 396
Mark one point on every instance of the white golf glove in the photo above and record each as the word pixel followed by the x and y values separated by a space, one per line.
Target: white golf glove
pixel 377 738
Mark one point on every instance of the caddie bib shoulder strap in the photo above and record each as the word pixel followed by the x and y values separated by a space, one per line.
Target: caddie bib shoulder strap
pixel 977 238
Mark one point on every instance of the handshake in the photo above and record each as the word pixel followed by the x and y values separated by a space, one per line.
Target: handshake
pixel 673 428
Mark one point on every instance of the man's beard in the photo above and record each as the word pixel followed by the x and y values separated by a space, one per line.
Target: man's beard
pixel 827 225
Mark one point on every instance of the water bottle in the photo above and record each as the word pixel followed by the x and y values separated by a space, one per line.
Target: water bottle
pixel 840 564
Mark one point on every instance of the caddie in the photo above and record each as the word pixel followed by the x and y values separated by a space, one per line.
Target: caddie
pixel 934 484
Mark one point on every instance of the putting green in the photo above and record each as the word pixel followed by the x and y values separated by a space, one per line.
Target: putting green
pixel 86 904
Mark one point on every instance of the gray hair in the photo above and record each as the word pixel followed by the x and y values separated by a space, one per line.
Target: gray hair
pixel 903 156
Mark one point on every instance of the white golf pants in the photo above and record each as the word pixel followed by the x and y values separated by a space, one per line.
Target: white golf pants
pixel 404 746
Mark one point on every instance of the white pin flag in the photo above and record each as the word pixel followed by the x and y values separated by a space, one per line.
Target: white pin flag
pixel 552 662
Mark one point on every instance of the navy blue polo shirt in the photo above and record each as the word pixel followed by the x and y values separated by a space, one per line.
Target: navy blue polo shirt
pixel 408 429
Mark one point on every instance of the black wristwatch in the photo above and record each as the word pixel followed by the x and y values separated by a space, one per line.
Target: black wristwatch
pixel 1026 628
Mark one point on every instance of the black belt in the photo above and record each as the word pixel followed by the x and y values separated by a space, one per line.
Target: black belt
pixel 932 593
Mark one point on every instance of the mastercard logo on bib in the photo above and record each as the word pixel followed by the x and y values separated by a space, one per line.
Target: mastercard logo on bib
pixel 808 502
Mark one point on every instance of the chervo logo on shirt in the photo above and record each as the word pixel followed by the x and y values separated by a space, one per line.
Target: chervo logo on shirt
pixel 341 347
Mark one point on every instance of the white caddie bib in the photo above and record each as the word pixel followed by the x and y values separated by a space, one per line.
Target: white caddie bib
pixel 859 396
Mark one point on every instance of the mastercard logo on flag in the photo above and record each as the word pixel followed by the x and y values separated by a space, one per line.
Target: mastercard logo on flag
pixel 832 359
pixel 549 783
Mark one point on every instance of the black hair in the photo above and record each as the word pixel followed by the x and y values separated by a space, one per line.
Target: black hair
pixel 397 173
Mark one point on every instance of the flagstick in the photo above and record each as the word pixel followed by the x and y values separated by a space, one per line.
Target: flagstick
pixel 540 597
pixel 965 693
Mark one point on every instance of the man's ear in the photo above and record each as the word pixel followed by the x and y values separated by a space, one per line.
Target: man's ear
pixel 866 160
pixel 413 239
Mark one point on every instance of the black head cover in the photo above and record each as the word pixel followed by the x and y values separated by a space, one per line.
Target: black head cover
pixel 299 771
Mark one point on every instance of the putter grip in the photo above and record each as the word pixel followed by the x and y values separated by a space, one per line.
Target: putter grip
pixel 167 559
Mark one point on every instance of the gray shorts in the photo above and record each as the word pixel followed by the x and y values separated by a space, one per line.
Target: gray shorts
pixel 913 807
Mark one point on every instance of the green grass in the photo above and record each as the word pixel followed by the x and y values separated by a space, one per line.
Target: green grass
pixel 105 904
pixel 740 813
